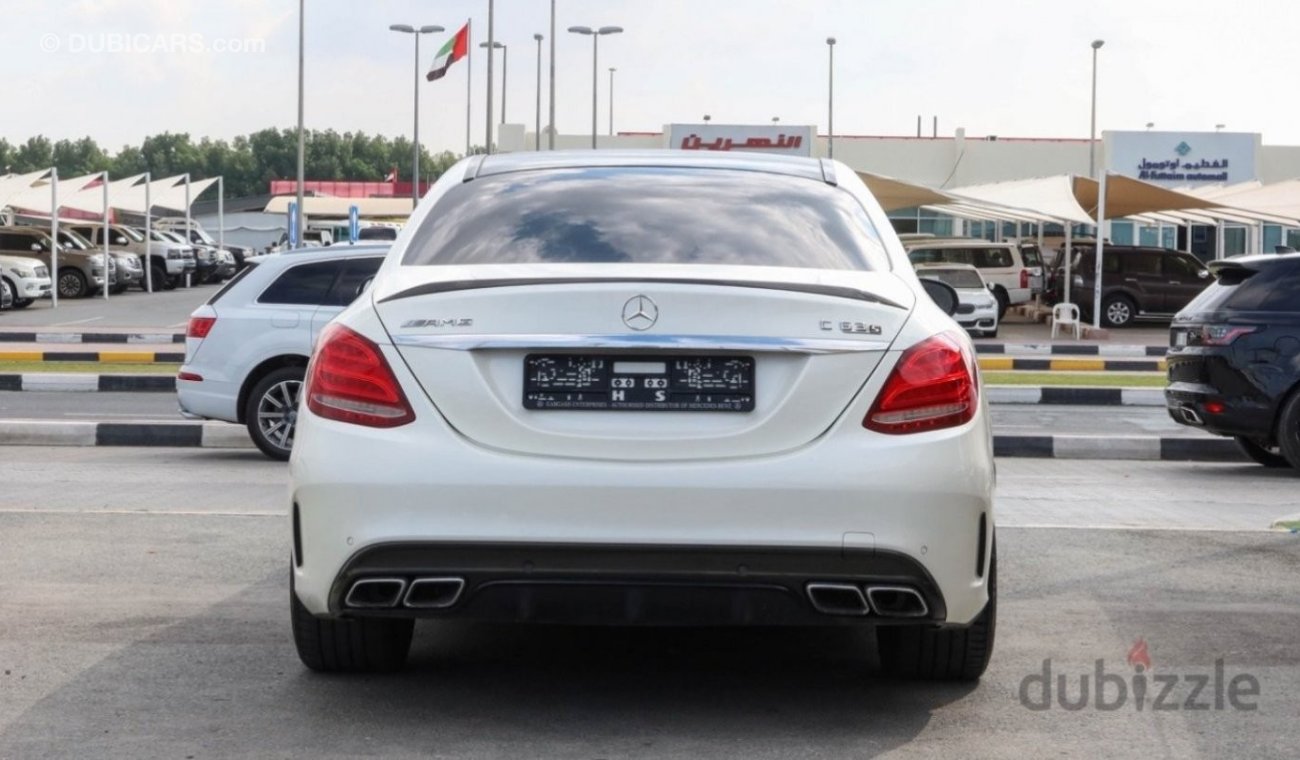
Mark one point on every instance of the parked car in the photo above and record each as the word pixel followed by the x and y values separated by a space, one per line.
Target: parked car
pixel 205 257
pixel 247 347
pixel 129 271
pixel 28 280
pixel 598 391
pixel 1234 357
pixel 1138 283
pixel 977 308
pixel 172 258
pixel 200 236
pixel 1014 270
pixel 378 232
pixel 165 258
pixel 80 273
pixel 6 296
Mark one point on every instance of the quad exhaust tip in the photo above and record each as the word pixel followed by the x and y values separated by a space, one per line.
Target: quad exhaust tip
pixel 433 593
pixel 375 593
pixel 897 601
pixel 848 599
pixel 837 599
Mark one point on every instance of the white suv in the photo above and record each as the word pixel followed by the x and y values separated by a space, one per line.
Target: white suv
pixel 246 349
pixel 1014 270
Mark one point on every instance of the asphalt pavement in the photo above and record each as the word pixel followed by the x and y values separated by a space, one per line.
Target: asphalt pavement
pixel 135 308
pixel 143 595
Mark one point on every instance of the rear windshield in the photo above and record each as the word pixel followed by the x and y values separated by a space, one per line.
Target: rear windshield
pixel 1275 289
pixel 642 215
pixel 978 257
pixel 957 278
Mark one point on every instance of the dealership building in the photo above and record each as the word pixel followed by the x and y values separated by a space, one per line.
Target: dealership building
pixel 1218 164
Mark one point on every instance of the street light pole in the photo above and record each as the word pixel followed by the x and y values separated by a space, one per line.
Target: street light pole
pixel 611 100
pixel 1092 128
pixel 415 135
pixel 504 62
pixel 537 129
pixel 830 100
pixel 550 121
pixel 302 144
pixel 595 35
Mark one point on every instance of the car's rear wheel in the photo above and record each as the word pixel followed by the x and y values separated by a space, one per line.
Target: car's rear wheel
pixel 1118 311
pixel 1288 430
pixel 72 284
pixel 360 645
pixel 23 303
pixel 950 654
pixel 271 412
pixel 1269 456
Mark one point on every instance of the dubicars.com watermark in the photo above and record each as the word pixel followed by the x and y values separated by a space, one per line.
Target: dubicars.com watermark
pixel 122 43
pixel 1145 689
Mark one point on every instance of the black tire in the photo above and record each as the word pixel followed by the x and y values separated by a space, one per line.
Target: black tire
pixel 71 284
pixel 1269 456
pixel 172 282
pixel 1288 430
pixel 1118 311
pixel 23 303
pixel 361 645
pixel 1004 301
pixel 946 654
pixel 158 277
pixel 270 396
pixel 13 290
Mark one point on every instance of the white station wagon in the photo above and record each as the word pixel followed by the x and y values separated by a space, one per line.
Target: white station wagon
pixel 246 349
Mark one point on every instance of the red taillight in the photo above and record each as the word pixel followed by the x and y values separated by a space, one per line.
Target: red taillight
pixel 1024 278
pixel 1214 407
pixel 200 327
pixel 348 380
pixel 190 376
pixel 933 386
pixel 1223 335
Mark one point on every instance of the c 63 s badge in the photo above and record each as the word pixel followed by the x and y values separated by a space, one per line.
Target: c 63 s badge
pixel 856 328
pixel 451 322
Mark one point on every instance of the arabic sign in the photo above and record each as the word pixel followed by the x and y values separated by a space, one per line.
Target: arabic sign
pixel 786 140
pixel 1183 158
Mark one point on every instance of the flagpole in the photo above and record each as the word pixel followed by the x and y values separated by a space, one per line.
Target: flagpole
pixel 491 40
pixel 469 80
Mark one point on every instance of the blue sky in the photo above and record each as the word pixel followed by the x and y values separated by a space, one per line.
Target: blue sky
pixel 1005 67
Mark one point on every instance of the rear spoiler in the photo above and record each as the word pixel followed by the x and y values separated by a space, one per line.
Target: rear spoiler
pixel 448 286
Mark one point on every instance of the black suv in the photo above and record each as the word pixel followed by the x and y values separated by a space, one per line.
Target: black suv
pixel 1137 282
pixel 1234 358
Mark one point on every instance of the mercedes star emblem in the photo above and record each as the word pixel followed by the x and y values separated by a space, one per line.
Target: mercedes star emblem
pixel 640 313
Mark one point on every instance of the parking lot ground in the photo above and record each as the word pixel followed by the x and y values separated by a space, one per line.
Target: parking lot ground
pixel 135 308
pixel 1016 329
pixel 143 603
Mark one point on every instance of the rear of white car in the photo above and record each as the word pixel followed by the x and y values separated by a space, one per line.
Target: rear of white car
pixel 654 390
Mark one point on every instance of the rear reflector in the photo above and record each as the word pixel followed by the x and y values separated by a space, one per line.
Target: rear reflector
pixel 200 327
pixel 190 376
pixel 1024 278
pixel 932 387
pixel 349 380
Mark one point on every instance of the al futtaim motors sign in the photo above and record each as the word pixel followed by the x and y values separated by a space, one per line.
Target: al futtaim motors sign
pixel 1183 158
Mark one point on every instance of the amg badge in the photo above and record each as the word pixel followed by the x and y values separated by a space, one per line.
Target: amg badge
pixel 452 322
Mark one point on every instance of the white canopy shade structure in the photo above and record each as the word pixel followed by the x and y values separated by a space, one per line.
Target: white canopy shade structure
pixel 133 198
pixel 14 184
pixel 173 198
pixel 36 198
pixel 91 199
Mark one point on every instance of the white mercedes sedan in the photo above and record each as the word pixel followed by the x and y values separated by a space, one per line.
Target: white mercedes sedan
pixel 651 388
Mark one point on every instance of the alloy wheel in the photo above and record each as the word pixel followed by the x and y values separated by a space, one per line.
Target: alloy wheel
pixel 69 285
pixel 1118 313
pixel 277 413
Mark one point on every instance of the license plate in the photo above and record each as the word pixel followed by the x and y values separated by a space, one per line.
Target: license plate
pixel 639 383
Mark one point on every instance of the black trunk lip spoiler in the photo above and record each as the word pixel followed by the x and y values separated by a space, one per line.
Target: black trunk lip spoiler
pixel 451 286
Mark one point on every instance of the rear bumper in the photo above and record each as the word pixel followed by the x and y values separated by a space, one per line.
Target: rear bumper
pixel 834 509
pixel 631 584
pixel 1248 417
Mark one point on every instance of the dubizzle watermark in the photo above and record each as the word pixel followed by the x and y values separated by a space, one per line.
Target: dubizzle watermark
pixel 1145 688
pixel 120 43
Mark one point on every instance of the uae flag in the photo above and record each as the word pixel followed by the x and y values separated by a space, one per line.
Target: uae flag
pixel 456 48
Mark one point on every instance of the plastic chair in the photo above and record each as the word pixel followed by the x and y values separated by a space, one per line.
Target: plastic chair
pixel 1066 314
